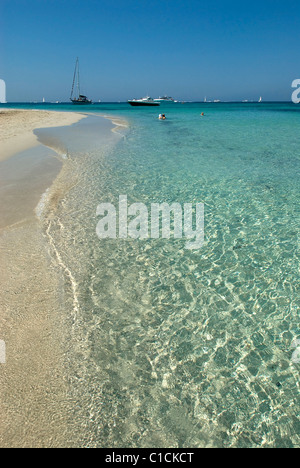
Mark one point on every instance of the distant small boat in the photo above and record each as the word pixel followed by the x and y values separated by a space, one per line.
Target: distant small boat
pixel 260 99
pixel 146 101
pixel 80 99
pixel 165 99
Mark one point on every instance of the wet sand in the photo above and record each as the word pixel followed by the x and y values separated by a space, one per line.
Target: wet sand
pixel 34 395
pixel 23 179
pixel 33 392
pixel 17 125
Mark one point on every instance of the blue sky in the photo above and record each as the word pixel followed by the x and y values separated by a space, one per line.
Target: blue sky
pixel 229 50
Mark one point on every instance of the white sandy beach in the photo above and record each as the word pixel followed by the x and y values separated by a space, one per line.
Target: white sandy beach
pixel 33 391
pixel 16 127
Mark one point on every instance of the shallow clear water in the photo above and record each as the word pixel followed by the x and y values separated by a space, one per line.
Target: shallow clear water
pixel 179 348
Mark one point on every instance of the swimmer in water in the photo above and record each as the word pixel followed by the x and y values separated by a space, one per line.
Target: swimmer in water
pixel 162 117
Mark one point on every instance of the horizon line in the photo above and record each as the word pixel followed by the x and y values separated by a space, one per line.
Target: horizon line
pixel 125 102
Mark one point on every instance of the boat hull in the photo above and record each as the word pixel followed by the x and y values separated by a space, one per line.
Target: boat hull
pixel 143 104
pixel 81 103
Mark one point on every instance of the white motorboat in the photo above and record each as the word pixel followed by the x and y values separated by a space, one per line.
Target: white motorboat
pixel 146 101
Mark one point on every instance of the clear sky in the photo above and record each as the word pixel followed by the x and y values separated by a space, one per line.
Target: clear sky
pixel 189 49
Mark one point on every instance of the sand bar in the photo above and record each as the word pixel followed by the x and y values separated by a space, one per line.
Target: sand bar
pixel 27 169
pixel 17 125
pixel 33 392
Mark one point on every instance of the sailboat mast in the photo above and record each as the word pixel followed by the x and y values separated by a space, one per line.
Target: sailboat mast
pixel 78 77
pixel 76 74
pixel 74 78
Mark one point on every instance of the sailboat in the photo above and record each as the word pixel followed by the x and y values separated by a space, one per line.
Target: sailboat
pixel 260 99
pixel 80 99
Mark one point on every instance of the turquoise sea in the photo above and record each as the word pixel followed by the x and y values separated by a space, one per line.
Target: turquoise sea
pixel 169 347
